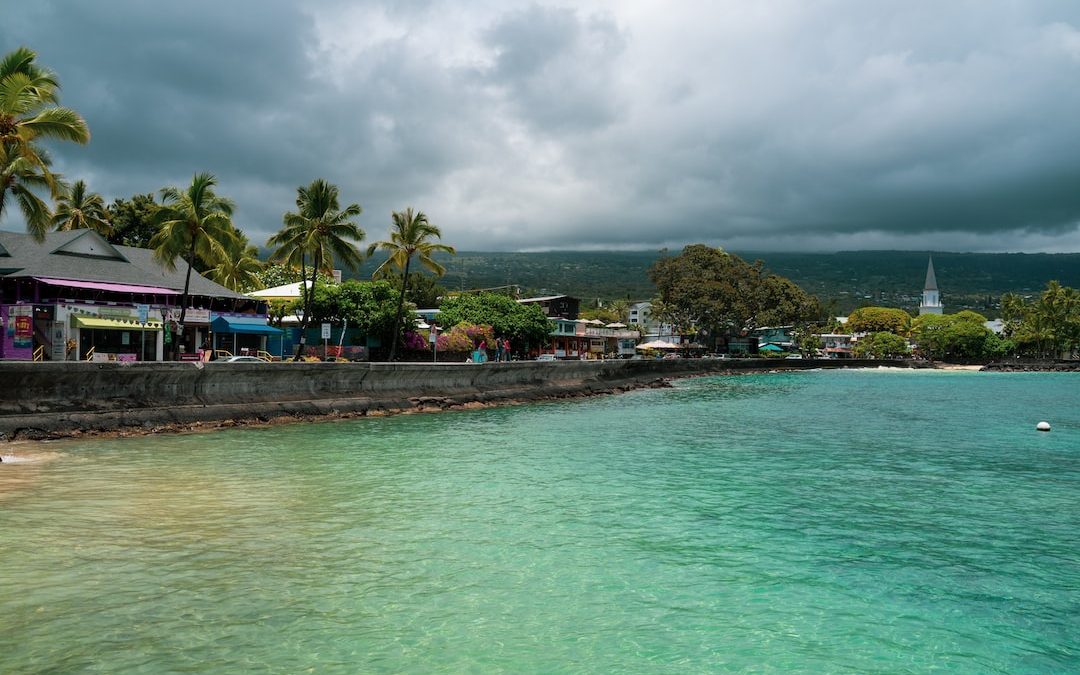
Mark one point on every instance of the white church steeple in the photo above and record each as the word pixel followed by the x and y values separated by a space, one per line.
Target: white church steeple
pixel 931 301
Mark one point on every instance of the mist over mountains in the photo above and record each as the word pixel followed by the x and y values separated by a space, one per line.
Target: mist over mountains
pixel 850 278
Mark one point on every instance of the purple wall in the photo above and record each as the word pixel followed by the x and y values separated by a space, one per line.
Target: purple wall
pixel 8 349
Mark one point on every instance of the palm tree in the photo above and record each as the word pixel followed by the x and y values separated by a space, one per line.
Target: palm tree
pixel 410 235
pixel 77 209
pixel 239 269
pixel 19 179
pixel 322 230
pixel 28 111
pixel 194 223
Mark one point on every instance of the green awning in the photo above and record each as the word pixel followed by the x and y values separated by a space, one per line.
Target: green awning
pixel 111 324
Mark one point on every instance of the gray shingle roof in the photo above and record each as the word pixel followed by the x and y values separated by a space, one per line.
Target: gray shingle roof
pixel 931 280
pixel 27 258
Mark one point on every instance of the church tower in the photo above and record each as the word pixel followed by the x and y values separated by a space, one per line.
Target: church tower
pixel 931 301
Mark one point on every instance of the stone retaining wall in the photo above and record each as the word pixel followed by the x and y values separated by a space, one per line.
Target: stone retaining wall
pixel 54 399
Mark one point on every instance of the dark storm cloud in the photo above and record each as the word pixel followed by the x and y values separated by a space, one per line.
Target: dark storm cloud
pixel 598 124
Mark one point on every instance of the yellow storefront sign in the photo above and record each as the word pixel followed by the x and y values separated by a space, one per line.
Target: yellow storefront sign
pixel 111 324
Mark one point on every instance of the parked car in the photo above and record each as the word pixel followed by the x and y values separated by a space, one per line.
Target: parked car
pixel 546 357
pixel 244 359
pixel 793 356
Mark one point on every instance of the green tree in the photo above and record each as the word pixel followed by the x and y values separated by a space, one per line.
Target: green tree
pixel 78 209
pixel 881 345
pixel 946 336
pixel 709 289
pixel 524 325
pixel 410 235
pixel 879 319
pixel 194 222
pixel 134 221
pixel 422 290
pixel 276 274
pixel 29 95
pixel 807 341
pixel 323 230
pixel 239 269
pixel 368 306
pixel 20 180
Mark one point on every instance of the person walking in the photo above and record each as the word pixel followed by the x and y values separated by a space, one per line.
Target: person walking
pixel 506 348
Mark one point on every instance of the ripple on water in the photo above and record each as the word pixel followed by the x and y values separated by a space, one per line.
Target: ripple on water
pixel 811 522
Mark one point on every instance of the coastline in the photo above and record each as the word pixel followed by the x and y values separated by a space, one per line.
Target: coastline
pixel 74 400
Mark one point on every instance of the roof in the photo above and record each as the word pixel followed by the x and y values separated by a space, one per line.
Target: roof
pixel 283 292
pixel 84 255
pixel 542 299
pixel 931 280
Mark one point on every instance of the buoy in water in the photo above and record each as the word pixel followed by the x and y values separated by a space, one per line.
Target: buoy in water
pixel 1043 426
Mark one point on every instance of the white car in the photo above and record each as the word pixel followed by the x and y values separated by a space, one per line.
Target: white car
pixel 546 357
pixel 244 359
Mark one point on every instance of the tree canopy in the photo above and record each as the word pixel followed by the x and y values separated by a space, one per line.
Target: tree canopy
pixel 955 336
pixel 881 345
pixel 29 94
pixel 77 208
pixel 368 306
pixel 133 220
pixel 710 290
pixel 1047 327
pixel 878 319
pixel 524 325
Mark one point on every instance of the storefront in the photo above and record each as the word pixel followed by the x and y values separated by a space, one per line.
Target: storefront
pixel 245 335
pixel 103 339
pixel 76 296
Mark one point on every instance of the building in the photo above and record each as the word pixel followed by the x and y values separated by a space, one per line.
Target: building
pixel 837 345
pixel 931 300
pixel 590 339
pixel 556 306
pixel 781 336
pixel 75 296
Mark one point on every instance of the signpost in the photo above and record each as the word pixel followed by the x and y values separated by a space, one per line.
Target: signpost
pixel 144 315
pixel 325 337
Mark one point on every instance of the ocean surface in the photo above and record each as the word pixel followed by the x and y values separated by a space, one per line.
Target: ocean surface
pixel 829 521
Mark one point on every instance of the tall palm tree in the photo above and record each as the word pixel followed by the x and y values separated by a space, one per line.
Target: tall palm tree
pixel 77 209
pixel 28 112
pixel 239 269
pixel 322 231
pixel 410 235
pixel 194 222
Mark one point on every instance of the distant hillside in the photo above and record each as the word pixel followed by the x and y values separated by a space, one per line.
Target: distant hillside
pixel 850 278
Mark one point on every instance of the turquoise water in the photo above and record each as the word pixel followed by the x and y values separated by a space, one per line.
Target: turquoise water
pixel 853 521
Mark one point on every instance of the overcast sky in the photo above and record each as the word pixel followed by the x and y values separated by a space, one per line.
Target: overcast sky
pixel 765 125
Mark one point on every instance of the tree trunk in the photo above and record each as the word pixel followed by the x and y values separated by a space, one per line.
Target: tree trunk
pixel 400 307
pixel 304 302
pixel 183 303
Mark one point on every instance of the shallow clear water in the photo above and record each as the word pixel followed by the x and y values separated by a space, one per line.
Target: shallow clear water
pixel 855 521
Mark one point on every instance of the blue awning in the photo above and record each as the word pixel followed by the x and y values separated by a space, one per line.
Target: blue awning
pixel 255 325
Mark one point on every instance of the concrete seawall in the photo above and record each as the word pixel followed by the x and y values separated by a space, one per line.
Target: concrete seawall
pixel 46 400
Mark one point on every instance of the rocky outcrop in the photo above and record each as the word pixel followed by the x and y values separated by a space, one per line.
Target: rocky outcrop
pixel 1034 367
